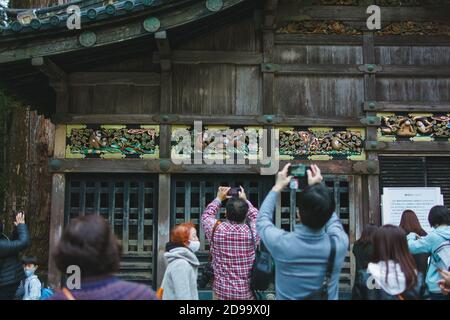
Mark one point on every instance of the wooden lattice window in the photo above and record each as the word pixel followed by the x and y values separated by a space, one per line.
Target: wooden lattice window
pixel 129 203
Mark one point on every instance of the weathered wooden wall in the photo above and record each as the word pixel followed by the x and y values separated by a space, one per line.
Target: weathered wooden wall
pixel 29 143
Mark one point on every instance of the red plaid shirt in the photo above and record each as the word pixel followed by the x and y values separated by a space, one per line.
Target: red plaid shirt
pixel 233 253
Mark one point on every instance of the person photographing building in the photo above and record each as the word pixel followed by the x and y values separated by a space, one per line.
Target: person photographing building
pixel 312 255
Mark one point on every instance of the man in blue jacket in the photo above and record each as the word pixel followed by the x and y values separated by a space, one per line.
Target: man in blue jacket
pixel 301 256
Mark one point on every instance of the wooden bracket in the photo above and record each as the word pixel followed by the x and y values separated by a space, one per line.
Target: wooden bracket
pixel 370 106
pixel 366 167
pixel 270 67
pixel 371 121
pixel 375 145
pixel 268 119
pixel 165 118
pixel 370 68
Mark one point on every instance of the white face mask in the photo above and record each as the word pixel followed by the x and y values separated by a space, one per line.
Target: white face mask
pixel 194 245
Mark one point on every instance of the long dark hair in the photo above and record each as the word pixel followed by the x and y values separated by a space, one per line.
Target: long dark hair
pixel 367 234
pixel 389 243
pixel 410 223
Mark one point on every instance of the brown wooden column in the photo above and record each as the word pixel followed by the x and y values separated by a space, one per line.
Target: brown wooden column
pixel 56 226
pixel 163 44
pixel 268 75
pixel 373 188
pixel 163 224
pixel 57 207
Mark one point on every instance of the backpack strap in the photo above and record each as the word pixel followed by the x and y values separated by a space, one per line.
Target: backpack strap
pixel 330 265
pixel 212 237
pixel 251 234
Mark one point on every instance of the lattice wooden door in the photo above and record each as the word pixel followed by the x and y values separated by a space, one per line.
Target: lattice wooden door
pixel 129 203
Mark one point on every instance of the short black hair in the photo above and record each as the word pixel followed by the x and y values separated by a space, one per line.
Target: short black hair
pixel 439 215
pixel 30 260
pixel 237 209
pixel 316 205
pixel 89 243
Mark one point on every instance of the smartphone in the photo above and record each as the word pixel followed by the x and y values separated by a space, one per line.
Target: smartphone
pixel 234 192
pixel 300 177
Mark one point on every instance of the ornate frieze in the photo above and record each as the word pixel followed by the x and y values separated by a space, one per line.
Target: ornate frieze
pixel 215 142
pixel 413 126
pixel 112 141
pixel 321 143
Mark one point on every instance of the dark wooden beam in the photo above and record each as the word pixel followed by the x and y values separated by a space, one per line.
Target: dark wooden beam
pixel 154 166
pixel 319 39
pixel 114 78
pixel 415 70
pixel 214 57
pixel 344 39
pixel 296 11
pixel 411 40
pixel 410 146
pixel 408 106
pixel 280 120
pixel 348 69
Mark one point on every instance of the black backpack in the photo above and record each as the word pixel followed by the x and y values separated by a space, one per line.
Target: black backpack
pixel 262 274
pixel 208 270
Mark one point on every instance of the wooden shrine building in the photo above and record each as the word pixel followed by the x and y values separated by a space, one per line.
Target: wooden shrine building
pixel 371 107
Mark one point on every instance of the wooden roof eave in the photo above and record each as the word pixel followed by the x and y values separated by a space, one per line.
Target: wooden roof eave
pixel 110 31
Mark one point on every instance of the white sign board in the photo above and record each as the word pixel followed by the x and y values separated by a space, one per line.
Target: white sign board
pixel 420 200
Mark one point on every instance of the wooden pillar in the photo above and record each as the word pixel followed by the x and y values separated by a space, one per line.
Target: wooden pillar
pixel 163 224
pixel 163 44
pixel 268 33
pixel 57 206
pixel 56 226
pixel 373 188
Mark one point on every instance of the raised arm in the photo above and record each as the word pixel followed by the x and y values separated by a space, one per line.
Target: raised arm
pixel 420 245
pixel 13 247
pixel 265 227
pixel 209 215
pixel 334 228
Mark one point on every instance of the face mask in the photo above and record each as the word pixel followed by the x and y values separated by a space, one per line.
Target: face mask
pixel 194 245
pixel 29 272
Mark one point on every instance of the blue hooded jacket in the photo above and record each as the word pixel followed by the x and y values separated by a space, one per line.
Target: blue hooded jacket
pixel 429 244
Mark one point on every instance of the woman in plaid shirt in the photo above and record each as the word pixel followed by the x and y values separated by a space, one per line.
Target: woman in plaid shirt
pixel 232 249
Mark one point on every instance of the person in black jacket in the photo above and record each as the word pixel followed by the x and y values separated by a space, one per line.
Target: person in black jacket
pixel 362 250
pixel 11 270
